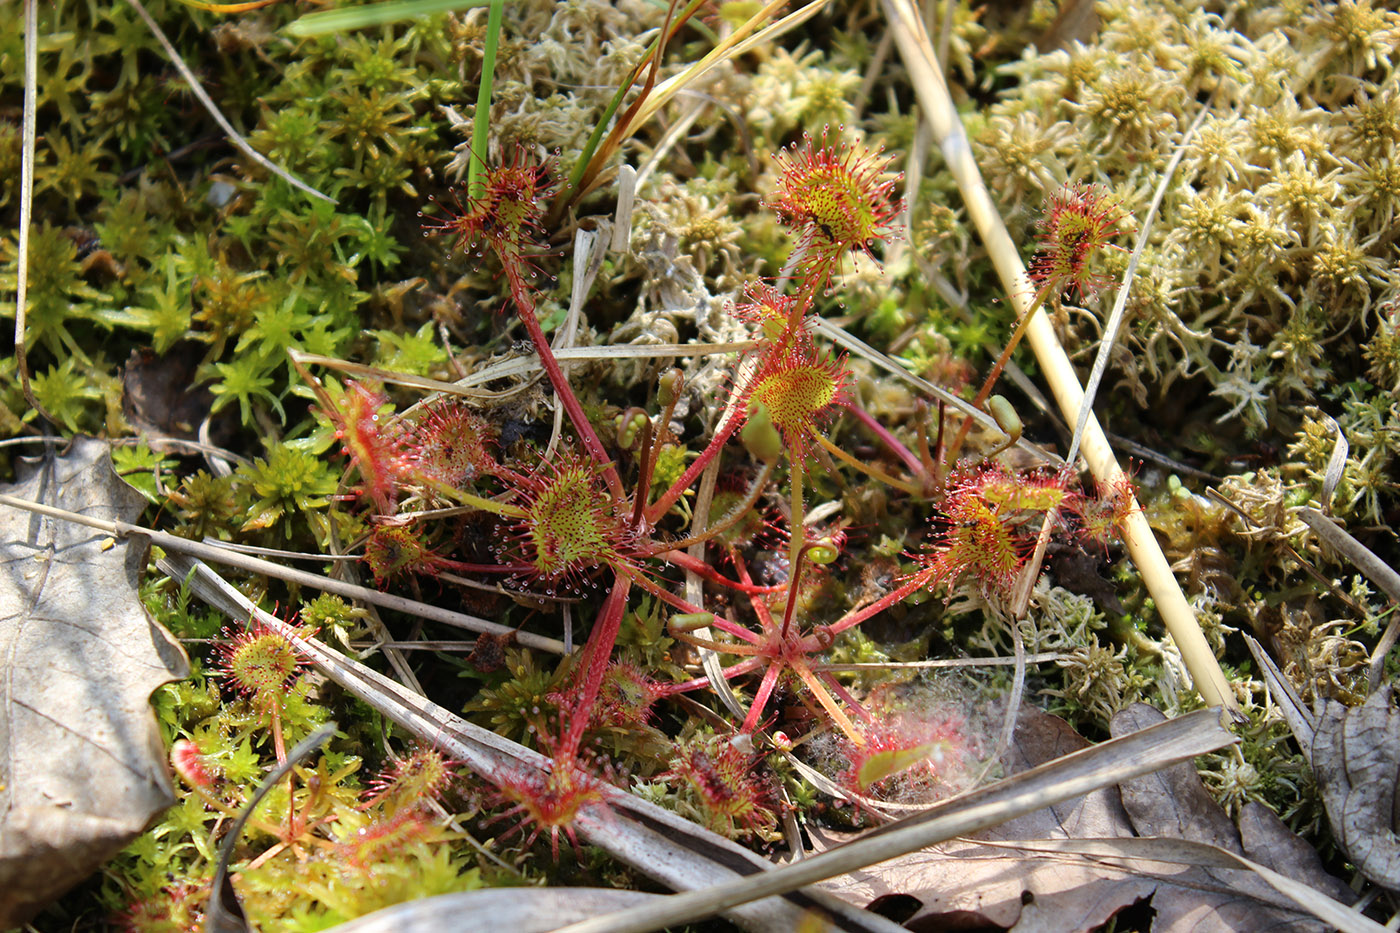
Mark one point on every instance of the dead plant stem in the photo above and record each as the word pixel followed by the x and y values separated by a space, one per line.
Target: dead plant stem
pixel 937 104
pixel 251 564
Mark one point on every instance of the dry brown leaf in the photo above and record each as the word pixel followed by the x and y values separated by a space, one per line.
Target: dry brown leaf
pixel 1275 846
pixel 1174 804
pixel 1002 880
pixel 81 759
pixel 981 883
pixel 1356 756
pixel 161 394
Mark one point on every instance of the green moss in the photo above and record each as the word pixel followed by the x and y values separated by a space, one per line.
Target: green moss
pixel 1263 310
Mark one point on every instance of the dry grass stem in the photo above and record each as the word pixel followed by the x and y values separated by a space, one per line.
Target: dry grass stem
pixel 1142 546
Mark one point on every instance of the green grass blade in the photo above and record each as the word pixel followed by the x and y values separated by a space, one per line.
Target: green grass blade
pixel 373 14
pixel 481 123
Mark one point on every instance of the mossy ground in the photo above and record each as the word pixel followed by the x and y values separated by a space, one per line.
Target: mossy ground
pixel 1263 323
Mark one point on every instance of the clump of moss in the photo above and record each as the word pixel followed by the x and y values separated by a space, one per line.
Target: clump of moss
pixel 1273 237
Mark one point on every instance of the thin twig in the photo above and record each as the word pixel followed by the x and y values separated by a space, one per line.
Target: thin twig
pixel 1120 303
pixel 519 366
pixel 1375 569
pixel 26 199
pixel 1365 559
pixel 216 915
pixel 277 552
pixel 251 564
pixel 1040 657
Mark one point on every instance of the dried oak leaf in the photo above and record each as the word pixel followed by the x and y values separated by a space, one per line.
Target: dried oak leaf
pixel 161 396
pixel 82 764
pixel 1000 880
pixel 983 884
pixel 1174 804
pixel 1356 757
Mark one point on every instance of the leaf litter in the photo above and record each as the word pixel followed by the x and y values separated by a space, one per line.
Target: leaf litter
pixel 82 762
pixel 1026 874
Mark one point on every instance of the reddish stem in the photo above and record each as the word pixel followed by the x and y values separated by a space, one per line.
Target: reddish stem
pixel 985 392
pixel 760 699
pixel 644 471
pixel 794 581
pixel 760 608
pixel 660 507
pixel 525 308
pixel 674 601
pixel 684 561
pixel 486 568
pixel 728 521
pixel 812 281
pixel 729 673
pixel 600 646
pixel 896 446
pixel 844 695
pixel 917 581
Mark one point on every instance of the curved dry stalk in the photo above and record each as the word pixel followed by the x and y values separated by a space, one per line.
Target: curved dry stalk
pixel 520 366
pixel 1013 701
pixel 585 271
pixel 655 97
pixel 1375 569
pixel 217 916
pixel 932 92
pixel 736 44
pixel 1120 302
pixel 695 592
pixel 665 145
pixel 1040 657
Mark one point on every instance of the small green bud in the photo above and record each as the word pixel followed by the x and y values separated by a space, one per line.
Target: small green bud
pixel 1005 416
pixel 669 386
pixel 822 552
pixel 630 425
pixel 685 622
pixel 760 438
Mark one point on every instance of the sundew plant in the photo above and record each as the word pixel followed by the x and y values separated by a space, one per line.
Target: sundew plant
pixel 674 362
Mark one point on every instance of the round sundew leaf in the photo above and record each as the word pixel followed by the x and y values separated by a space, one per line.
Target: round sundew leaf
pixel 881 764
pixel 261 665
pixel 565 528
pixel 796 395
pixel 838 196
